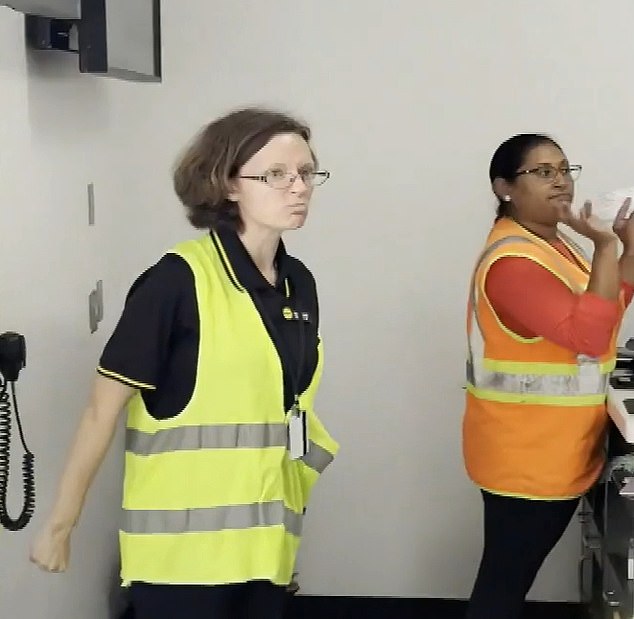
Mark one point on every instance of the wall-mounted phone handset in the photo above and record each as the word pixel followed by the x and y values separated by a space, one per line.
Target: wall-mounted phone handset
pixel 12 360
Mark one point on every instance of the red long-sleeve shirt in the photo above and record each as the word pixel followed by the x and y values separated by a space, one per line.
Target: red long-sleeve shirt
pixel 532 302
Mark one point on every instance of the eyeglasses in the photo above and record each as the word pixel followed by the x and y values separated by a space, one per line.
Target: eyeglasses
pixel 548 172
pixel 279 179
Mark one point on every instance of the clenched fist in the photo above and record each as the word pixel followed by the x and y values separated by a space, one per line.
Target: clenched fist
pixel 51 549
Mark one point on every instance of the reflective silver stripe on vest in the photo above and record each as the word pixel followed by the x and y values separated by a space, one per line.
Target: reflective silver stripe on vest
pixel 538 384
pixel 227 436
pixel 213 519
pixel 317 457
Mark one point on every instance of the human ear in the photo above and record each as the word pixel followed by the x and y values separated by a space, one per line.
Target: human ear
pixel 233 192
pixel 502 189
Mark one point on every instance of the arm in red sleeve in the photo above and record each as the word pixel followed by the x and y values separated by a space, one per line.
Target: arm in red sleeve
pixel 532 302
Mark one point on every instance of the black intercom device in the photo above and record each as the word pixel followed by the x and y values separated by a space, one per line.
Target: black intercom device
pixel 12 360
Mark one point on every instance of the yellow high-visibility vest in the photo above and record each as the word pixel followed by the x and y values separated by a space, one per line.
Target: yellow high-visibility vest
pixel 211 496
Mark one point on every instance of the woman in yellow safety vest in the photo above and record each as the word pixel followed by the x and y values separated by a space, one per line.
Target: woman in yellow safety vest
pixel 542 325
pixel 218 357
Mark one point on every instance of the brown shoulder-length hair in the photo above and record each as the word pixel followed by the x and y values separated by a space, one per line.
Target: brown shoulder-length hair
pixel 203 174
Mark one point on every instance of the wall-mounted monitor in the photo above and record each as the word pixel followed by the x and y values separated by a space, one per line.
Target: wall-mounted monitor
pixel 114 38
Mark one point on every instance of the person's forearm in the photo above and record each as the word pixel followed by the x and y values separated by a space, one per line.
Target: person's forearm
pixel 605 278
pixel 90 444
pixel 626 265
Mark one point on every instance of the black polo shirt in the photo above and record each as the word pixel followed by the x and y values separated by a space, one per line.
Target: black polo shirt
pixel 154 346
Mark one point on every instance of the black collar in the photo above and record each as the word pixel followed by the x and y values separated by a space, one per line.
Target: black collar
pixel 247 273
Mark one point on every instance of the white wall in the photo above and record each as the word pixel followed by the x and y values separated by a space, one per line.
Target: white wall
pixel 59 131
pixel 407 101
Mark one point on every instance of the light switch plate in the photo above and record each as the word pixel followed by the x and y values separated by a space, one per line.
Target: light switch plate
pixel 91 204
pixel 95 307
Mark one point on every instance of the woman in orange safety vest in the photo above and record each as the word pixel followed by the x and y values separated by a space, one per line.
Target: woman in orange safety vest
pixel 542 323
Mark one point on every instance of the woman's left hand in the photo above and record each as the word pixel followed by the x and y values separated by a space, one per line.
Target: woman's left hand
pixel 623 225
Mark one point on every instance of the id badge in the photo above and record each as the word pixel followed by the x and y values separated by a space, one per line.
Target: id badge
pixel 297 436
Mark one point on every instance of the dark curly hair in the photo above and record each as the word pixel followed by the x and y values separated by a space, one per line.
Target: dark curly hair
pixel 203 174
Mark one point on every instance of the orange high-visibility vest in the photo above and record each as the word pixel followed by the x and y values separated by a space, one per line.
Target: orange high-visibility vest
pixel 535 413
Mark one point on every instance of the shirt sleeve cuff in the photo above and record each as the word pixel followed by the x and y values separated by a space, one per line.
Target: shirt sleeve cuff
pixel 125 379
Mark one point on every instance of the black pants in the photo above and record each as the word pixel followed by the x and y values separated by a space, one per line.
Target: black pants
pixel 518 536
pixel 258 599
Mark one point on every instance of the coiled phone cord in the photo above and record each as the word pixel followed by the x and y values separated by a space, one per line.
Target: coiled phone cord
pixel 28 474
